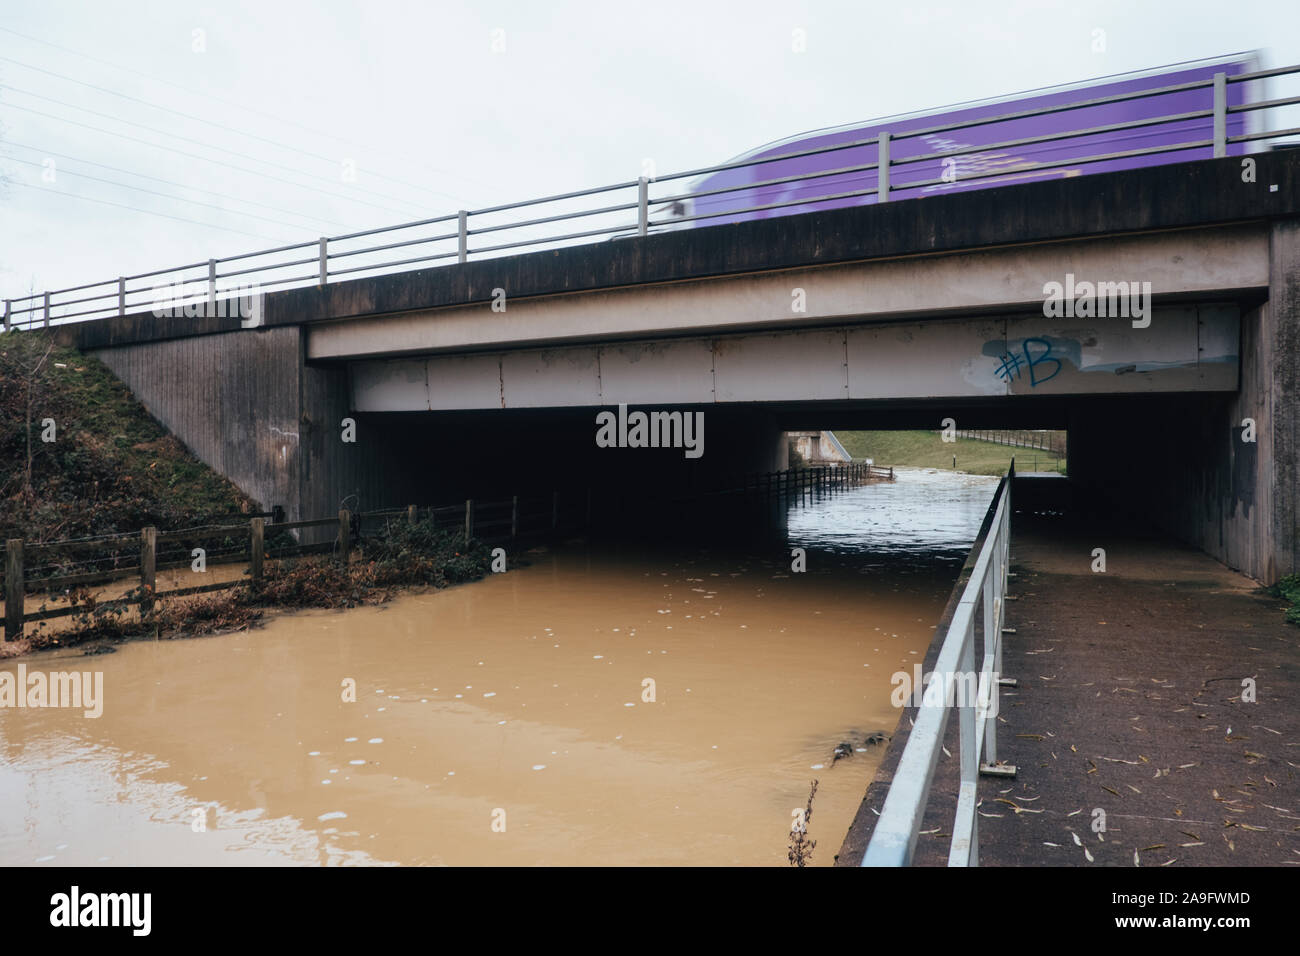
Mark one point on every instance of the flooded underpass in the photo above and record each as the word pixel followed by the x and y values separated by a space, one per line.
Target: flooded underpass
pixel 601 705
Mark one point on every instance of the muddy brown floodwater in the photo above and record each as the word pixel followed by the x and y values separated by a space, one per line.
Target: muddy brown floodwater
pixel 508 721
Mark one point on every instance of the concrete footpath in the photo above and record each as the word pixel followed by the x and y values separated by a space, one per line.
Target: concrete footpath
pixel 1130 714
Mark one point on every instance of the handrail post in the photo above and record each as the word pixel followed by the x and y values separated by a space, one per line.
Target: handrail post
pixel 8 306
pixel 1220 115
pixel 47 310
pixel 965 843
pixel 642 206
pixel 15 592
pixel 121 295
pixel 324 260
pixel 462 235
pixel 992 654
pixel 212 285
pixel 469 519
pixel 882 160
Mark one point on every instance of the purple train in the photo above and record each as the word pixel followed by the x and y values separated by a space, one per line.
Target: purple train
pixel 1000 166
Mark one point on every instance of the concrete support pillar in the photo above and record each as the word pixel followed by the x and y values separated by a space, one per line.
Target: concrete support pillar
pixel 1280 328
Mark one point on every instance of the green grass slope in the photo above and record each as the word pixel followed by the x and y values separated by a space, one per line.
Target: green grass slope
pixel 928 450
pixel 111 467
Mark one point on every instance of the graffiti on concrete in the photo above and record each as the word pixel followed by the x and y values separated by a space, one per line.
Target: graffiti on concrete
pixel 1038 365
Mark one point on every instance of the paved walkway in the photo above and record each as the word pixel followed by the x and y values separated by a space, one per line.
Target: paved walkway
pixel 1130 703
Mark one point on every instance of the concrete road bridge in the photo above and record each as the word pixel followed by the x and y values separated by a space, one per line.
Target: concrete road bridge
pixel 1150 312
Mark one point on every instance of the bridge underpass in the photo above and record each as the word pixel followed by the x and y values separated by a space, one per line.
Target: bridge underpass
pixel 894 315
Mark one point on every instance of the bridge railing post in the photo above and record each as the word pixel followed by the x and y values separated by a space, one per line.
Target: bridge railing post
pixel 212 284
pixel 47 310
pixel 121 295
pixel 324 260
pixel 882 186
pixel 462 236
pixel 1220 115
pixel 642 206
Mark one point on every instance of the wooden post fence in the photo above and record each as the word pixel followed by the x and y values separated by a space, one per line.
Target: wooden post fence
pixel 345 534
pixel 256 548
pixel 148 565
pixel 14 590
pixel 469 519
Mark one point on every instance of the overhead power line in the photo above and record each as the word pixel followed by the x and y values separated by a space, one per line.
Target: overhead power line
pixel 197 142
pixel 172 182
pixel 154 192
pixel 240 106
pixel 331 160
pixel 206 159
pixel 147 212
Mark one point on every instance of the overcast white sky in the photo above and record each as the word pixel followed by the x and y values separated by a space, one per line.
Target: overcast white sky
pixel 435 120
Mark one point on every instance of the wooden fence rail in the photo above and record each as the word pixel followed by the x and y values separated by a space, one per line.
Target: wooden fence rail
pixel 255 533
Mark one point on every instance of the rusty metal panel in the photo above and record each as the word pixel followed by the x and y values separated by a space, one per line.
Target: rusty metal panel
pixel 795 366
pixel 549 378
pixel 922 359
pixel 398 385
pixel 677 371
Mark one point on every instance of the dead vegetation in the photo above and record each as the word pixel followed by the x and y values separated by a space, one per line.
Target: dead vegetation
pixel 398 557
pixel 801 847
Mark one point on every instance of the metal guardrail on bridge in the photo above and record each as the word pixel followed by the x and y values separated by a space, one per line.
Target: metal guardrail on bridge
pixel 955 685
pixel 318 261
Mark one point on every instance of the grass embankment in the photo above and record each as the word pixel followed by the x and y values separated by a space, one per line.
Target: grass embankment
pixel 110 467
pixel 927 449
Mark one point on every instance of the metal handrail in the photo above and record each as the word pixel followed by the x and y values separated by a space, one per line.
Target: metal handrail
pixel 39 308
pixel 893 841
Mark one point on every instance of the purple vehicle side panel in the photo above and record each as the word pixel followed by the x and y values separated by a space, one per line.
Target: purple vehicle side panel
pixel 1017 164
